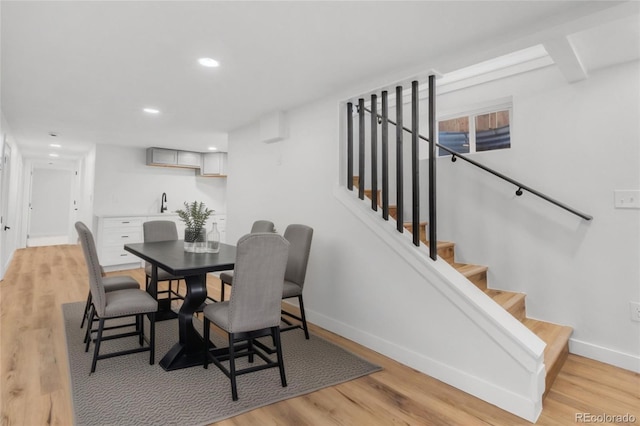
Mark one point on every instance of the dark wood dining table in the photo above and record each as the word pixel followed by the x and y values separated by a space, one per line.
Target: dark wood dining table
pixel 170 256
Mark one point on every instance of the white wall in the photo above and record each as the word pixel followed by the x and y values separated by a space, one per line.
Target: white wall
pixel 357 285
pixel 124 184
pixel 576 143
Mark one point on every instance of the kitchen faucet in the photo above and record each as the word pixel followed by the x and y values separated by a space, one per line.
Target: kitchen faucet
pixel 163 207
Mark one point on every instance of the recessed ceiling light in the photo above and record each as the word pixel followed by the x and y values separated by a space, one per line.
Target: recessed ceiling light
pixel 53 155
pixel 151 110
pixel 55 145
pixel 213 148
pixel 208 62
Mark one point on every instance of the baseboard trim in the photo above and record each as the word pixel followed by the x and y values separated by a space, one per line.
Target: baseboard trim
pixel 509 401
pixel 608 356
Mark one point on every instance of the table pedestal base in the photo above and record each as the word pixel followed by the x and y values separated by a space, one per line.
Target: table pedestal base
pixel 164 311
pixel 189 351
pixel 180 357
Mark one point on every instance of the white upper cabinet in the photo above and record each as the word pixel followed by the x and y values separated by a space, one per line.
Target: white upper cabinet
pixel 208 164
pixel 162 157
pixel 214 164
pixel 173 158
pixel 189 159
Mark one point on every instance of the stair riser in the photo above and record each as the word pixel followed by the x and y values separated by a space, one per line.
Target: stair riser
pixel 554 370
pixel 479 279
pixel 393 212
pixel 368 192
pixel 423 231
pixel 519 311
pixel 447 253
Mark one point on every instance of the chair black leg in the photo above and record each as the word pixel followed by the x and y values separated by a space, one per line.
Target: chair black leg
pixel 152 337
pixel 87 334
pixel 96 350
pixel 140 328
pixel 205 335
pixel 232 369
pixel 304 318
pixel 275 332
pixel 86 310
pixel 222 291
pixel 250 349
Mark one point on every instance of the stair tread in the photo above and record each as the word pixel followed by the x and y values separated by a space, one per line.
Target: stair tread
pixel 510 301
pixel 422 223
pixel 554 335
pixel 505 299
pixel 468 269
pixel 442 244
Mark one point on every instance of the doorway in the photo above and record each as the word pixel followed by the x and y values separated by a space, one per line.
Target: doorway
pixel 51 205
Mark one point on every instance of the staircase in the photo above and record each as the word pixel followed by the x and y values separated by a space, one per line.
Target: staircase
pixel 555 336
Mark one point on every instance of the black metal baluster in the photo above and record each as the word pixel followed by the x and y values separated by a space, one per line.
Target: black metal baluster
pixel 415 174
pixel 361 149
pixel 350 146
pixel 374 152
pixel 399 162
pixel 385 157
pixel 433 242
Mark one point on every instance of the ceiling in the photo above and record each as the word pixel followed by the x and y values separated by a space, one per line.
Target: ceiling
pixel 86 69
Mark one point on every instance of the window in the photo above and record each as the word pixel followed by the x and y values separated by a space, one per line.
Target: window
pixel 477 131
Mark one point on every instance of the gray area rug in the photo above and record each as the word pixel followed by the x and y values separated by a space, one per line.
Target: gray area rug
pixel 127 390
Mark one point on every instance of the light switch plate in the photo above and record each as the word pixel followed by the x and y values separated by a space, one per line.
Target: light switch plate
pixel 627 198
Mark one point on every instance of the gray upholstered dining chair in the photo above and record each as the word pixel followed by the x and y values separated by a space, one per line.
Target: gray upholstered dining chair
pixel 299 237
pixel 114 304
pixel 254 307
pixel 112 283
pixel 226 277
pixel 161 230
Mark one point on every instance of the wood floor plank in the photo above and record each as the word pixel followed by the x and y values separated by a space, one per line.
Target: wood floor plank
pixel 35 380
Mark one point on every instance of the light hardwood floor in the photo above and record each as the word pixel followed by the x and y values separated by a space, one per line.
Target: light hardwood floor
pixel 35 384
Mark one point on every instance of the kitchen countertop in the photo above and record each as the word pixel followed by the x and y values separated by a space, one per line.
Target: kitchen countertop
pixel 146 214
pixel 136 215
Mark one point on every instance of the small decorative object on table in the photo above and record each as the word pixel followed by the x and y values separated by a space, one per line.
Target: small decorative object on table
pixel 213 239
pixel 195 217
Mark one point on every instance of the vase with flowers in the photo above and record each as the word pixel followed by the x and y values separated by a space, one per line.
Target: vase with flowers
pixel 195 215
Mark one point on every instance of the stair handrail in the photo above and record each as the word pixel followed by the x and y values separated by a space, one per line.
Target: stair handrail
pixel 521 187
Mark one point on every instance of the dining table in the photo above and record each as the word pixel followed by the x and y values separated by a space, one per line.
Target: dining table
pixel 172 257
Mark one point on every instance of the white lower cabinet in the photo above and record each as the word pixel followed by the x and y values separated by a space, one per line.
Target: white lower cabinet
pixel 113 232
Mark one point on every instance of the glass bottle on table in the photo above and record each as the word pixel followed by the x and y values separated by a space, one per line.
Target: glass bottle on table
pixel 213 239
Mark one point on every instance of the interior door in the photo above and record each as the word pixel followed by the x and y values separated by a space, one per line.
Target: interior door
pixel 50 206
pixel 5 227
